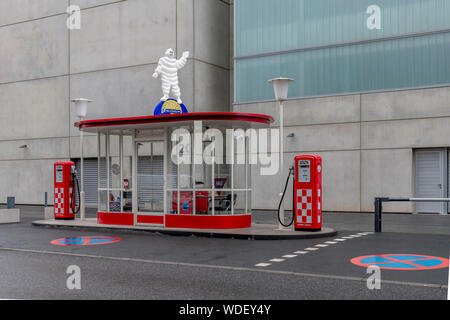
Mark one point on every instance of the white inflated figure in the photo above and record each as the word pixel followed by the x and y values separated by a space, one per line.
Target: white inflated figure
pixel 168 67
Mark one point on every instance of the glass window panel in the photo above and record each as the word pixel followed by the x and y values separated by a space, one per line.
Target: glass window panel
pixel 240 200
pixel 172 203
pixel 102 201
pixel 102 161
pixel 114 201
pixel 249 202
pixel 114 162
pixel 202 202
pixel 222 202
pixel 393 64
pixel 273 25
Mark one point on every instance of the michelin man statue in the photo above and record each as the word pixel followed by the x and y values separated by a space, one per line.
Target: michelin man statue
pixel 168 67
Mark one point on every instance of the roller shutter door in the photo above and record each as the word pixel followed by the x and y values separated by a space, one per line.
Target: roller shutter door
pixel 90 181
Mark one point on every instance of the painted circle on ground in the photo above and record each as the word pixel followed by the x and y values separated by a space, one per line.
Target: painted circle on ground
pixel 401 261
pixel 85 241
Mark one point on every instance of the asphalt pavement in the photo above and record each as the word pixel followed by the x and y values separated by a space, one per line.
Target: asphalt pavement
pixel 154 266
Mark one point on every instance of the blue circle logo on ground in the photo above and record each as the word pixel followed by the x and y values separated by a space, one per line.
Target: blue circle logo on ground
pixel 170 106
pixel 401 262
pixel 85 241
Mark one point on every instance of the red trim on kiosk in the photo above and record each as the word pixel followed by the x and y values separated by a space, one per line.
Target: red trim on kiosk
pixel 208 222
pixel 150 219
pixel 115 218
pixel 228 116
pixel 181 221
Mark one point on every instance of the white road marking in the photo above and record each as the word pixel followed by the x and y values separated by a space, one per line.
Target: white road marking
pixel 339 240
pixel 219 267
pixel 301 252
pixel 331 242
pixel 262 264
pixel 348 237
pixel 290 256
pixel 277 260
pixel 321 245
pixel 311 249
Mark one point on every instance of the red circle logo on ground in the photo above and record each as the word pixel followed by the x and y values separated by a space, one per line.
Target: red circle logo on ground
pixel 85 241
pixel 401 262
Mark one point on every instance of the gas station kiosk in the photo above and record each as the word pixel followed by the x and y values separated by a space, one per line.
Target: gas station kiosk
pixel 140 184
pixel 175 169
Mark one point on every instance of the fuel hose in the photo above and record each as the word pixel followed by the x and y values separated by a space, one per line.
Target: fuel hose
pixel 291 171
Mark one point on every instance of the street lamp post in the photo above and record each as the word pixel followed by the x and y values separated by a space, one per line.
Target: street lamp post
pixel 281 87
pixel 81 111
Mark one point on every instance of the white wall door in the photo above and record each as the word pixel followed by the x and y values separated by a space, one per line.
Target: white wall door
pixel 431 179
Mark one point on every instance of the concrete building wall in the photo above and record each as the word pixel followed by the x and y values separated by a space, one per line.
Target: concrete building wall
pixel 366 141
pixel 43 65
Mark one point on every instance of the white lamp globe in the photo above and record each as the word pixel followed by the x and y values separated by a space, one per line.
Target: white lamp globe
pixel 281 87
pixel 81 107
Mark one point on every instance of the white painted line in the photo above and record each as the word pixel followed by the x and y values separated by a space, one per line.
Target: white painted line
pixel 311 249
pixel 301 252
pixel 331 242
pixel 362 233
pixel 355 236
pixel 277 260
pixel 290 256
pixel 349 237
pixel 339 240
pixel 321 245
pixel 262 264
pixel 218 267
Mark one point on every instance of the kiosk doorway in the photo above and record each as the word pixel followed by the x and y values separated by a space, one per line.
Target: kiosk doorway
pixel 150 181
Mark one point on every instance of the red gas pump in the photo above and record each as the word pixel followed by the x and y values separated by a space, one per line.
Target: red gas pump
pixel 65 179
pixel 307 193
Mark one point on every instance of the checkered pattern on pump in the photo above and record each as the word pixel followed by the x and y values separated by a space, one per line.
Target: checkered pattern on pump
pixel 319 208
pixel 59 200
pixel 304 206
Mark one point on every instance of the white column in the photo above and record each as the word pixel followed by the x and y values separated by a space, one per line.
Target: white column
pixel 82 197
pixel 121 169
pixel 281 160
pixel 134 179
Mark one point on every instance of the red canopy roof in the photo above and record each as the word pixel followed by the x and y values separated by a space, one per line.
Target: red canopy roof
pixel 223 119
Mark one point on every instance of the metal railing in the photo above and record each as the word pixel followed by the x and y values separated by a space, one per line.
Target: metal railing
pixel 379 206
